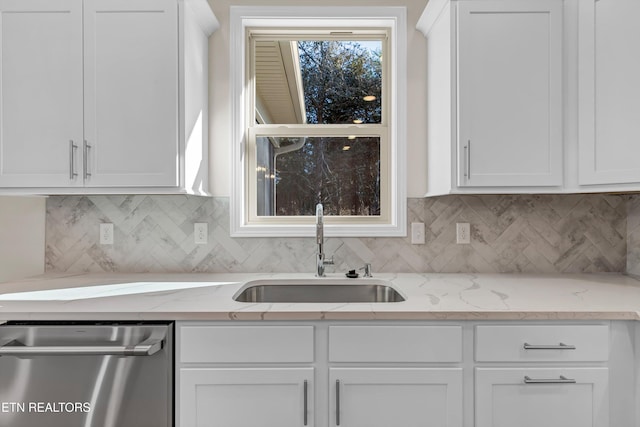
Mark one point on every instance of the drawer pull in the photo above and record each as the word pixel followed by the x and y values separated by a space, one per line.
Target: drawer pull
pixel 469 160
pixel 85 159
pixel 561 380
pixel 306 403
pixel 72 154
pixel 337 402
pixel 148 347
pixel 561 346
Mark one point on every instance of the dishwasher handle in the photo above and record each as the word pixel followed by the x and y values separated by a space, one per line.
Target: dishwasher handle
pixel 146 348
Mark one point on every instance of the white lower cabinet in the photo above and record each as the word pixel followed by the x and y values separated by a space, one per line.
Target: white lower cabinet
pixel 413 389
pixel 318 374
pixel 383 397
pixel 406 374
pixel 550 375
pixel 549 397
pixel 284 397
pixel 246 397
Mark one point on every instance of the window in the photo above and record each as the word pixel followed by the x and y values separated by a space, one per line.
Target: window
pixel 318 116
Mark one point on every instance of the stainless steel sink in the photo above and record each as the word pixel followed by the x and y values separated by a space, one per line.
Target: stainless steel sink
pixel 318 291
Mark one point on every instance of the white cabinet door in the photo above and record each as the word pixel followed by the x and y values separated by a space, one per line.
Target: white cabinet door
pixel 504 399
pixel 383 397
pixel 131 92
pixel 40 92
pixel 510 93
pixel 609 89
pixel 246 397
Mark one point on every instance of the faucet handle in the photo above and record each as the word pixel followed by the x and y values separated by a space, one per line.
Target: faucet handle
pixel 367 270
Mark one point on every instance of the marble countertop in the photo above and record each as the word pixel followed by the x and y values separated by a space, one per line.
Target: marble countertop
pixel 428 296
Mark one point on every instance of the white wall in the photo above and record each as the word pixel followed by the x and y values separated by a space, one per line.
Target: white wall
pixel 219 92
pixel 22 224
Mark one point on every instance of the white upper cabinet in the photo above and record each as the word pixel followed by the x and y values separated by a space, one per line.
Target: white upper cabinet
pixel 495 103
pixel 509 93
pixel 40 92
pixel 131 92
pixel 609 90
pixel 104 96
pixel 532 96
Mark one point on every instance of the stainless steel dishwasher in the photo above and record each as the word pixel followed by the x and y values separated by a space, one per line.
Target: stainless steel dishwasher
pixel 74 374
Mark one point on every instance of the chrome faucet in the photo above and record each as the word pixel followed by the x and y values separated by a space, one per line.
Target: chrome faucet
pixel 320 260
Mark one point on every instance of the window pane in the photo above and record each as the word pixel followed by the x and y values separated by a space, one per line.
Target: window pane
pixel 318 81
pixel 295 173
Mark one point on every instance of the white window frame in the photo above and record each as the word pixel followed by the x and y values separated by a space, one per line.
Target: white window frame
pixel 390 223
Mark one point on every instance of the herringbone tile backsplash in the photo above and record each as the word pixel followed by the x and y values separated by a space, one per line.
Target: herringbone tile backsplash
pixel 633 236
pixel 536 234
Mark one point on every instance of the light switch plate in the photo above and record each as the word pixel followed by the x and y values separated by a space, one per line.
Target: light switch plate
pixel 417 233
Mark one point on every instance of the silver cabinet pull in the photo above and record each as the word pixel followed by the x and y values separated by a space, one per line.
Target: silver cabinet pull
pixel 561 380
pixel 146 348
pixel 466 160
pixel 305 404
pixel 337 402
pixel 72 155
pixel 469 160
pixel 561 346
pixel 85 157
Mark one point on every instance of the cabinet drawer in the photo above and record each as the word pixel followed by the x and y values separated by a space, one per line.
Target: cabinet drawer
pixel 539 343
pixel 567 397
pixel 395 343
pixel 245 344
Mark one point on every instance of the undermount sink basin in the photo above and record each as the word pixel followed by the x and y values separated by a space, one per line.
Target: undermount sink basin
pixel 318 291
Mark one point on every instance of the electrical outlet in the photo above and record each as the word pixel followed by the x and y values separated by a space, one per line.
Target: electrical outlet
pixel 106 233
pixel 417 233
pixel 200 233
pixel 463 233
